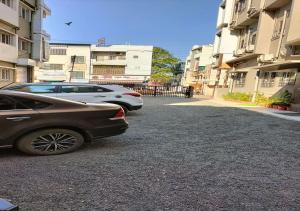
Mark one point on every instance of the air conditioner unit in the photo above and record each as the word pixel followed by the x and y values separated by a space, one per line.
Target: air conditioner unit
pixel 250 48
pixel 239 52
pixel 266 58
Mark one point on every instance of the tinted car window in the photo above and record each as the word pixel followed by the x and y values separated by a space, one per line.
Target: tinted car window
pixel 36 89
pixel 82 89
pixel 8 104
pixel 33 104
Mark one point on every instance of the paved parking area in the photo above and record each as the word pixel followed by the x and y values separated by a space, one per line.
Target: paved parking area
pixel 173 157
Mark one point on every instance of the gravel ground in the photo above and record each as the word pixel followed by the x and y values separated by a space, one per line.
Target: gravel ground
pixel 171 158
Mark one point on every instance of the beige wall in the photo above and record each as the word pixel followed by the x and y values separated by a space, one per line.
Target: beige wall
pixel 294 32
pixel 24 30
pixel 264 35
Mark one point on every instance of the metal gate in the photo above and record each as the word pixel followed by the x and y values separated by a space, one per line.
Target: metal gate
pixel 164 91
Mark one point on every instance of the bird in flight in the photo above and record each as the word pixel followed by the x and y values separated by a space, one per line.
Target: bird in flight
pixel 68 23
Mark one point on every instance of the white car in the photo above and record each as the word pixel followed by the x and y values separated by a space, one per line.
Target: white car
pixel 89 93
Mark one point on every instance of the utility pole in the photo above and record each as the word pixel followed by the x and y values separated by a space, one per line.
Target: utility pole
pixel 73 58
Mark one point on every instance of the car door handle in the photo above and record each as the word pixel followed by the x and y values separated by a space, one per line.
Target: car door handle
pixel 18 118
pixel 100 96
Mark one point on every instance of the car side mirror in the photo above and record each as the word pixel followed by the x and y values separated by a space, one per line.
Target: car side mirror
pixel 7 206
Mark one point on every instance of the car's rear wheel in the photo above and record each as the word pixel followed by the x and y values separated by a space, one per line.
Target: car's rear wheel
pixel 50 142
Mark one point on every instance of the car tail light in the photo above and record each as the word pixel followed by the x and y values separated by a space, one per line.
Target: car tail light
pixel 119 115
pixel 134 94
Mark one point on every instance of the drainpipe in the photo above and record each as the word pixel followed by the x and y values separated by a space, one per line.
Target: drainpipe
pixel 232 81
pixel 281 34
pixel 90 69
pixel 256 86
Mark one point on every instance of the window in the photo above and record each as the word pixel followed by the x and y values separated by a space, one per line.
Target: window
pixel 287 78
pixel 55 66
pixel 24 45
pixel 37 89
pixel 135 57
pixel 13 103
pixel 240 80
pixel 278 26
pixel 6 104
pixel 268 79
pixel 242 5
pixel 112 57
pixel 7 3
pixel 253 39
pixel 25 13
pixel 6 38
pixel 78 59
pixel 32 104
pixel 6 74
pixel 77 74
pixel 82 89
pixel 58 51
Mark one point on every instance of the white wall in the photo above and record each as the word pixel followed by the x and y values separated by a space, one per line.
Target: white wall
pixel 10 14
pixel 140 66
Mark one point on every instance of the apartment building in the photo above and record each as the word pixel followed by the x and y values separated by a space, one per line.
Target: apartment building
pixel 23 42
pixel 267 55
pixel 122 64
pixel 9 23
pixel 68 62
pixel 199 57
pixel 224 45
pixel 33 40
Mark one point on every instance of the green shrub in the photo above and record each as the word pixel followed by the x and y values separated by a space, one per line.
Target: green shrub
pixel 283 99
pixel 238 96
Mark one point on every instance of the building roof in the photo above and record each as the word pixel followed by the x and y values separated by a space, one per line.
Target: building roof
pixel 73 44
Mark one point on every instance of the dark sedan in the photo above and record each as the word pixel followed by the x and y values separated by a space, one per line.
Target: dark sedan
pixel 42 125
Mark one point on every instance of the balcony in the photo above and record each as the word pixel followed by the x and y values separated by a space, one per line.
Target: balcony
pixel 275 4
pixel 8 53
pixel 109 62
pixel 246 15
pixel 10 14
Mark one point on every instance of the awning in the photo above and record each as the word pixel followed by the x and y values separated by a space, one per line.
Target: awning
pixel 281 66
pixel 224 66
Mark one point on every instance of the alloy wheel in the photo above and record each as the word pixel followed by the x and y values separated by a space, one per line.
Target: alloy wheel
pixel 54 142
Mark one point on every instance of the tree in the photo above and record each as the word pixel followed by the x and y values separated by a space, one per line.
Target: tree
pixel 163 65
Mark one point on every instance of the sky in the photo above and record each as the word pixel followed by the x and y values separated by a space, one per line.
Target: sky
pixel 175 25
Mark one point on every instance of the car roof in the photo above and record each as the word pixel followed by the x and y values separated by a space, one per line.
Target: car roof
pixel 108 86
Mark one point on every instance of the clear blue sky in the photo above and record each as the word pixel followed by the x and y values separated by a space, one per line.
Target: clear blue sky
pixel 175 25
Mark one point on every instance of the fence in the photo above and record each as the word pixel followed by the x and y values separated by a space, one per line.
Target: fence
pixel 164 91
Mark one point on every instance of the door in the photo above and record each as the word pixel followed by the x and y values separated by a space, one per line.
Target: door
pixel 29 74
pixel 84 93
pixel 14 118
